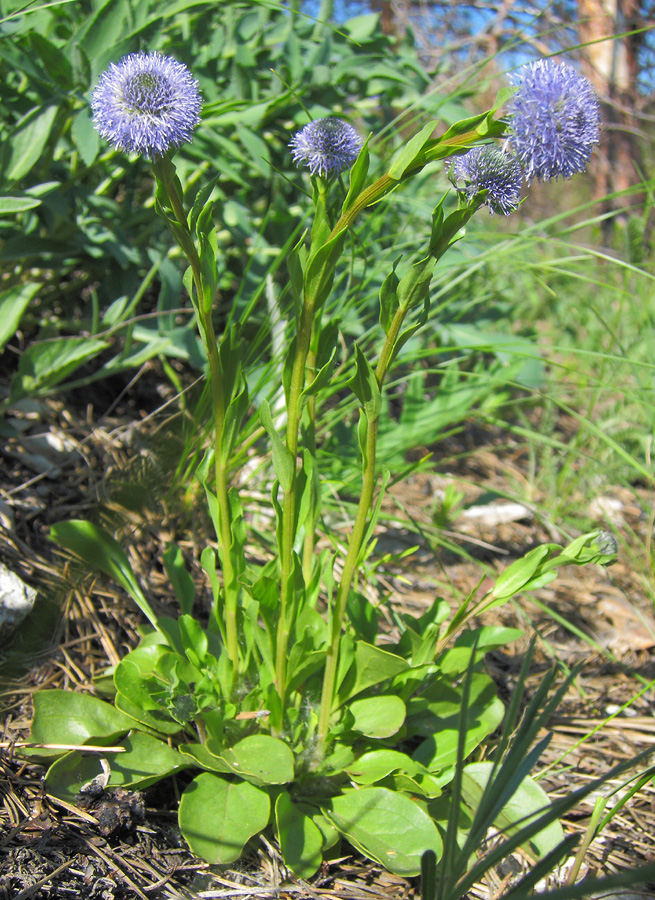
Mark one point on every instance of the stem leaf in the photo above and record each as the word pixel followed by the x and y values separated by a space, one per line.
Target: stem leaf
pixel 283 462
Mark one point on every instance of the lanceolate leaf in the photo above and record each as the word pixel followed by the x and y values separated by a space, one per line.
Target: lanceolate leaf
pixel 283 462
pixel 101 551
pixel 13 303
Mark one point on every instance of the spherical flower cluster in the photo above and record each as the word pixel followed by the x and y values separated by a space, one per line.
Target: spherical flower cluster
pixel 488 168
pixel 146 103
pixel 554 120
pixel 326 146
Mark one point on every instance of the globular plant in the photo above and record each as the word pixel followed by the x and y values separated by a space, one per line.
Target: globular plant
pixel 302 713
pixel 555 120
pixel 493 170
pixel 326 146
pixel 147 104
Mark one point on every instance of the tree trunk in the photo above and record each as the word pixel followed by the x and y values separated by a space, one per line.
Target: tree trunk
pixel 610 63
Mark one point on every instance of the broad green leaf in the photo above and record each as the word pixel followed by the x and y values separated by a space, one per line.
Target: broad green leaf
pixel 100 551
pixel 300 839
pixel 67 776
pixel 385 767
pixel 55 60
pixel 329 833
pixel 489 637
pixel 65 717
pixel 386 826
pixel 377 764
pixel 27 141
pixel 370 666
pixel 259 758
pixel 373 766
pixel 203 758
pixel 527 803
pixel 217 817
pixel 439 718
pixel 13 303
pixel 145 761
pixel 378 717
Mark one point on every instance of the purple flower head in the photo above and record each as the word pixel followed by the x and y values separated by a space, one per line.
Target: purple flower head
pixel 146 103
pixel 326 146
pixel 555 120
pixel 488 168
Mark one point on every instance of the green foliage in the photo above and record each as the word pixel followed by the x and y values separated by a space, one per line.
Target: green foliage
pixel 75 214
pixel 409 694
pixel 318 726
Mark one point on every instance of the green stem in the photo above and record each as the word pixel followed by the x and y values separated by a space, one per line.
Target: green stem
pixel 297 383
pixel 350 562
pixel 165 172
pixel 386 183
pixel 310 537
pixel 356 538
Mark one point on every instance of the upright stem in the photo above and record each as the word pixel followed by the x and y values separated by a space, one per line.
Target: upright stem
pixel 350 562
pixel 296 386
pixel 310 537
pixel 356 538
pixel 165 173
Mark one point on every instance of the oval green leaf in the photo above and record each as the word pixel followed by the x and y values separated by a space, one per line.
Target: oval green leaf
pixel 378 717
pixel 300 840
pixel 386 826
pixel 526 804
pixel 63 717
pixel 260 759
pixel 145 761
pixel 218 817
pixel 66 777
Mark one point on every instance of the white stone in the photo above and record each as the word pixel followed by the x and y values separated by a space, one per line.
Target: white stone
pixel 16 601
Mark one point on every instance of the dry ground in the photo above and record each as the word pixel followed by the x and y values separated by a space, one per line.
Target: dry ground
pixel 127 845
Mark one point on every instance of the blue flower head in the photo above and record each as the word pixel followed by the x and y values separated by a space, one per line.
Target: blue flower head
pixel 326 146
pixel 146 103
pixel 555 120
pixel 488 168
